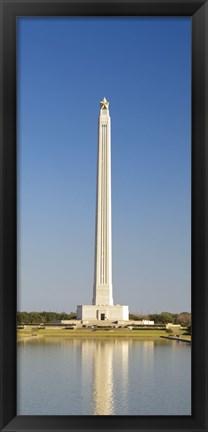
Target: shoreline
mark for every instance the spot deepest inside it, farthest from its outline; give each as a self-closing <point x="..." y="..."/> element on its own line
<point x="140" y="334"/>
<point x="178" y="339"/>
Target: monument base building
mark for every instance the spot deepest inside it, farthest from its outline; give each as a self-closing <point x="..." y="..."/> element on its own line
<point x="107" y="313"/>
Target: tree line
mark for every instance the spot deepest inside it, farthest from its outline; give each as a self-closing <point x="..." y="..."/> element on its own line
<point x="43" y="317"/>
<point x="183" y="318"/>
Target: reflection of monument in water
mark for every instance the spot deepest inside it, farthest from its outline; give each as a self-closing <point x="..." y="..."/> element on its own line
<point x="103" y="379"/>
<point x="107" y="365"/>
<point x="102" y="307"/>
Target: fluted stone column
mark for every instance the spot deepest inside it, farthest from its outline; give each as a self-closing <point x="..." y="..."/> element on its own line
<point x="102" y="307"/>
<point x="102" y="290"/>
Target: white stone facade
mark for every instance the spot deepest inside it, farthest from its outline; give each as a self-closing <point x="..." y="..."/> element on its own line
<point x="106" y="313"/>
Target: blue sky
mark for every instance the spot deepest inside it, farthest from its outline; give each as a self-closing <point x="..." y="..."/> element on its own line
<point x="143" y="67"/>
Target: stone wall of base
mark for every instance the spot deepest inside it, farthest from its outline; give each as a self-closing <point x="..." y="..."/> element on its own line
<point x="104" y="313"/>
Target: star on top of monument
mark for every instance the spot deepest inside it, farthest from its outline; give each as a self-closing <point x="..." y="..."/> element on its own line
<point x="104" y="103"/>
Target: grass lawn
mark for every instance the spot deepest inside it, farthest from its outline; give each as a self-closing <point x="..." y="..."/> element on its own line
<point x="107" y="333"/>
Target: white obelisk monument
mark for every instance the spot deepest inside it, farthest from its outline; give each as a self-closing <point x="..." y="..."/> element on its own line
<point x="102" y="307"/>
<point x="102" y="292"/>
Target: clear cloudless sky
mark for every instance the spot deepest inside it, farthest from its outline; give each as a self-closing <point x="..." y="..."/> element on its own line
<point x="143" y="67"/>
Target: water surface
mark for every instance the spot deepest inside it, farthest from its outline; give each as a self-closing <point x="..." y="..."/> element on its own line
<point x="66" y="376"/>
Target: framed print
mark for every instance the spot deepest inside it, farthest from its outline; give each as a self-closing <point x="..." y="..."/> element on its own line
<point x="47" y="206"/>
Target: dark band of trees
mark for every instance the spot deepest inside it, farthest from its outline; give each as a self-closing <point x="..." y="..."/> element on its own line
<point x="183" y="318"/>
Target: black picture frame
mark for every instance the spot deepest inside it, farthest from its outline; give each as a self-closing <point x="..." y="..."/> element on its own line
<point x="198" y="11"/>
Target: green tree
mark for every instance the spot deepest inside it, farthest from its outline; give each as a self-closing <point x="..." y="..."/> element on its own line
<point x="135" y="317"/>
<point x="166" y="317"/>
<point x="23" y="318"/>
<point x="189" y="330"/>
<point x="184" y="319"/>
<point x="35" y="317"/>
<point x="156" y="318"/>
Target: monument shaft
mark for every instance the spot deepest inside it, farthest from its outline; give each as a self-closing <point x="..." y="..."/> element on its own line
<point x="102" y="290"/>
<point x="102" y="307"/>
